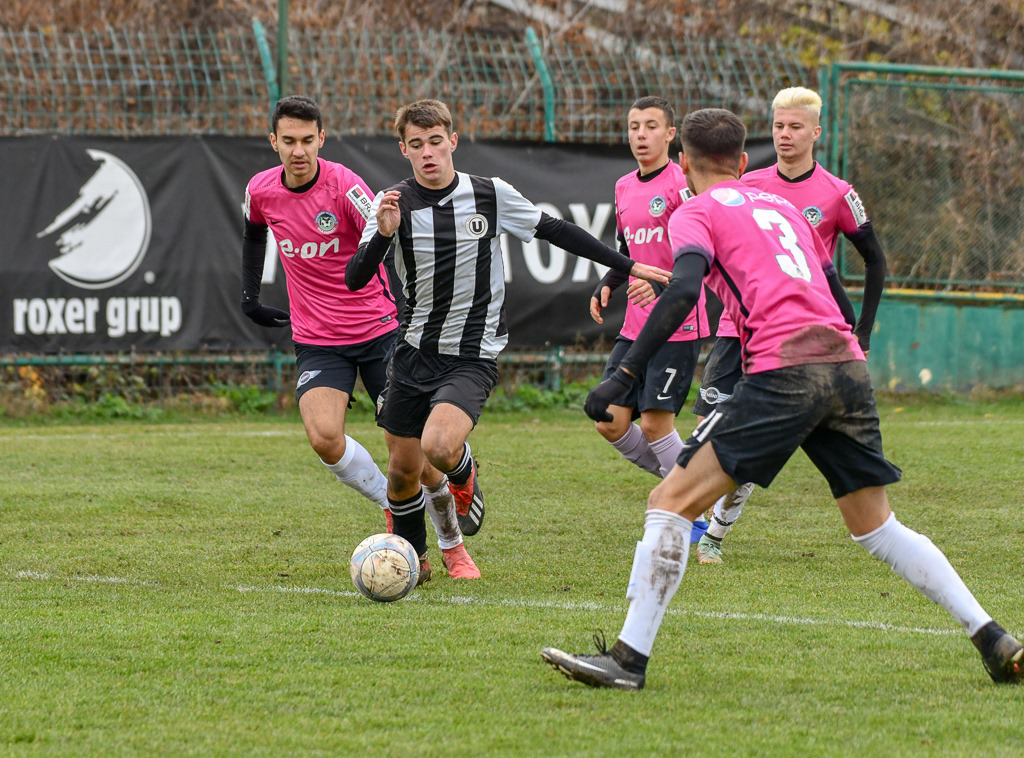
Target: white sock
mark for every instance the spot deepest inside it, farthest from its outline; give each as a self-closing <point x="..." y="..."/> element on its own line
<point x="667" y="451"/>
<point x="914" y="557"/>
<point x="634" y="448"/>
<point x="658" y="566"/>
<point x="727" y="509"/>
<point x="441" y="509"/>
<point x="357" y="470"/>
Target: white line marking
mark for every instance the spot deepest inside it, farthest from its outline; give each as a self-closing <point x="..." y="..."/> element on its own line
<point x="514" y="603"/>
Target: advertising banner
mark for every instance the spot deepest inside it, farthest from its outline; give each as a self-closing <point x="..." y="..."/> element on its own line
<point x="113" y="245"/>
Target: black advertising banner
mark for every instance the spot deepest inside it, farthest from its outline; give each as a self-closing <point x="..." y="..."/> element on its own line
<point x="112" y="245"/>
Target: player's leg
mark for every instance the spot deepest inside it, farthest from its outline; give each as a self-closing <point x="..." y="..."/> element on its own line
<point x="658" y="566"/>
<point x="748" y="440"/>
<point x="441" y="510"/>
<point x="402" y="412"/>
<point x="325" y="383"/>
<point x="661" y="394"/>
<point x="457" y="403"/>
<point x="847" y="449"/>
<point x="625" y="436"/>
<point x="722" y="371"/>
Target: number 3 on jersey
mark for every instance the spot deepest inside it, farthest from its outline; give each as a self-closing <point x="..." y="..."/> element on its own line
<point x="795" y="266"/>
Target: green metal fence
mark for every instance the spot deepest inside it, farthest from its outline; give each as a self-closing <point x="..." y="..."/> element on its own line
<point x="935" y="155"/>
<point x="191" y="81"/>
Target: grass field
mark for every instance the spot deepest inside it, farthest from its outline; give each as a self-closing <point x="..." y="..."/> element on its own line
<point x="183" y="588"/>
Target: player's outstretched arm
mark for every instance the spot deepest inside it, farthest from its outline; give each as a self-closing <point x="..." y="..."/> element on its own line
<point x="254" y="245"/>
<point x="666" y="317"/>
<point x="575" y="240"/>
<point x="867" y="244"/>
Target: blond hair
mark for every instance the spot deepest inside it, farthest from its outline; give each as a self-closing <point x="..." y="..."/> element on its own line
<point x="798" y="97"/>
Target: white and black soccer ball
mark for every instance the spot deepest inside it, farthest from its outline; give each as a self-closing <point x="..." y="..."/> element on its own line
<point x="384" y="567"/>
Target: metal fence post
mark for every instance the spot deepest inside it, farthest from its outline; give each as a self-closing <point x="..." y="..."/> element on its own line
<point x="268" y="64"/>
<point x="282" y="45"/>
<point x="533" y="44"/>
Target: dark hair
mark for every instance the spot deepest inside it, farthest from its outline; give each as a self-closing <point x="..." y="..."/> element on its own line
<point x="299" y="107"/>
<point x="713" y="135"/>
<point x="424" y="114"/>
<point x="653" y="101"/>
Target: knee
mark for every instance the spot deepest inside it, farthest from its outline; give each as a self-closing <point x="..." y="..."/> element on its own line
<point x="403" y="478"/>
<point x="441" y="453"/>
<point x="613" y="431"/>
<point x="653" y="431"/>
<point x="330" y="448"/>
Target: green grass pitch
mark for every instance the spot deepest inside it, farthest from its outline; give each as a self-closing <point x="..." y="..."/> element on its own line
<point x="182" y="588"/>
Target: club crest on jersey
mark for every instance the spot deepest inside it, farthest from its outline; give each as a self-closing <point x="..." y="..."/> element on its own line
<point x="657" y="206"/>
<point x="326" y="222"/>
<point x="728" y="196"/>
<point x="813" y="214"/>
<point x="476" y="226"/>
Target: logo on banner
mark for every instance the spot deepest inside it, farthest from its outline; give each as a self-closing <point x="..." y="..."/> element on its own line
<point x="103" y="235"/>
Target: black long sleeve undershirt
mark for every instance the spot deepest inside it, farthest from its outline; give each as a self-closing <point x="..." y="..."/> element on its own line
<point x="671" y="310"/>
<point x="575" y="240"/>
<point x="867" y="244"/>
<point x="615" y="279"/>
<point x="841" y="298"/>
<point x="366" y="262"/>
<point x="254" y="249"/>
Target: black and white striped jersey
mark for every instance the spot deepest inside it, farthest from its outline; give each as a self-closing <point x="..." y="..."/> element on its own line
<point x="448" y="258"/>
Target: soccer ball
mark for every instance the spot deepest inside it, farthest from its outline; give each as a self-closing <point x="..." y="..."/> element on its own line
<point x="384" y="567"/>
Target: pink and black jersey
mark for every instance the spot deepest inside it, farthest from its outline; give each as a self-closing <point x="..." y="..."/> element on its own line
<point x="317" y="231"/>
<point x="643" y="206"/>
<point x="767" y="266"/>
<point x="826" y="201"/>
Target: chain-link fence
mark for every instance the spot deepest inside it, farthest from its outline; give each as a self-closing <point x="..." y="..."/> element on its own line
<point x="192" y="81"/>
<point x="935" y="156"/>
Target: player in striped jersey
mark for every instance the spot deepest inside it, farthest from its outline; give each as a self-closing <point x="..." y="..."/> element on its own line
<point x="831" y="206"/>
<point x="318" y="209"/>
<point x="446" y="227"/>
<point x="645" y="199"/>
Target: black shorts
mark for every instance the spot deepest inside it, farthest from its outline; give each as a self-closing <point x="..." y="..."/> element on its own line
<point x="418" y="381"/>
<point x="721" y="372"/>
<point x="828" y="409"/>
<point x="665" y="382"/>
<point x="336" y="366"/>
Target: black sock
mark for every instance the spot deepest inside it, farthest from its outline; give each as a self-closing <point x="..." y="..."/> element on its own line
<point x="628" y="658"/>
<point x="408" y="521"/>
<point x="460" y="474"/>
<point x="987" y="636"/>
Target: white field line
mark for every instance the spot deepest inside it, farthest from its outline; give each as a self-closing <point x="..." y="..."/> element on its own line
<point x="513" y="603"/>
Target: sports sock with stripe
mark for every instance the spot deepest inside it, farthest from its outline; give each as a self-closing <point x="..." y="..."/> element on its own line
<point x="357" y="470"/>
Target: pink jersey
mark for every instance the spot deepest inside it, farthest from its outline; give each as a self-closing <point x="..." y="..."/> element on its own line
<point x="827" y="202"/>
<point x="317" y="233"/>
<point x="643" y="207"/>
<point x="766" y="265"/>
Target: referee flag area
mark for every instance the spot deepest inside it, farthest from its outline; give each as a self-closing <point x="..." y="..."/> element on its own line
<point x="198" y="592"/>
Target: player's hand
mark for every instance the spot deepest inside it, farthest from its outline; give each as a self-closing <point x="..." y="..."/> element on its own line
<point x="596" y="305"/>
<point x="388" y="215"/>
<point x="640" y="292"/>
<point x="651" y="273"/>
<point x="615" y="390"/>
<point x="265" y="315"/>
